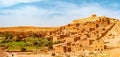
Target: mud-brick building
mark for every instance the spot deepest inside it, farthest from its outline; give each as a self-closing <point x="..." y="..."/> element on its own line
<point x="71" y="39"/>
<point x="97" y="45"/>
<point x="89" y="45"/>
<point x="61" y="48"/>
<point x="92" y="45"/>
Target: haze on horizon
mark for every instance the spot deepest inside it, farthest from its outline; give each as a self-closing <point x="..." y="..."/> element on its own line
<point x="53" y="12"/>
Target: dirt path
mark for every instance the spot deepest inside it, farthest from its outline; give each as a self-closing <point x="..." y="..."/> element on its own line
<point x="26" y="55"/>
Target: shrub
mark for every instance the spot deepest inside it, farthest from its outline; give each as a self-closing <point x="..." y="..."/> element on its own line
<point x="23" y="49"/>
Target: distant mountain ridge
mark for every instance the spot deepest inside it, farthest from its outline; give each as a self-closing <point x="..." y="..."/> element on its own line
<point x="26" y="28"/>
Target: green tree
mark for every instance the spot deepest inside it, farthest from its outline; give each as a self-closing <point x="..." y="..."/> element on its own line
<point x="8" y="37"/>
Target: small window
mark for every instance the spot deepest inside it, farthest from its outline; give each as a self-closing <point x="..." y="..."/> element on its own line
<point x="98" y="50"/>
<point x="97" y="35"/>
<point x="97" y="25"/>
<point x="108" y="22"/>
<point x="95" y="49"/>
<point x="77" y="25"/>
<point x="101" y="49"/>
<point x="81" y="46"/>
<point x="110" y="34"/>
<point x="103" y="29"/>
<point x="83" y="49"/>
<point x="97" y="31"/>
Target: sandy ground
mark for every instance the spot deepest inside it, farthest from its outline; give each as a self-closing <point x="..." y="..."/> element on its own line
<point x="26" y="54"/>
<point x="31" y="55"/>
<point x="36" y="55"/>
<point x="113" y="53"/>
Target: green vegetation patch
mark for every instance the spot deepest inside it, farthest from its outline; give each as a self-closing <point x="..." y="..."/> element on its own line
<point x="29" y="44"/>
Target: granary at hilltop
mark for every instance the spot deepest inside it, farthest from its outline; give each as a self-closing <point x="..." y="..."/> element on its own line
<point x="92" y="34"/>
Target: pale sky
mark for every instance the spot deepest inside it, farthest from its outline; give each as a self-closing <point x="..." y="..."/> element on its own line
<point x="53" y="12"/>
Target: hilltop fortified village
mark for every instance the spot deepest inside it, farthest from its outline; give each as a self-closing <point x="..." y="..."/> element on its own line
<point x="94" y="34"/>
